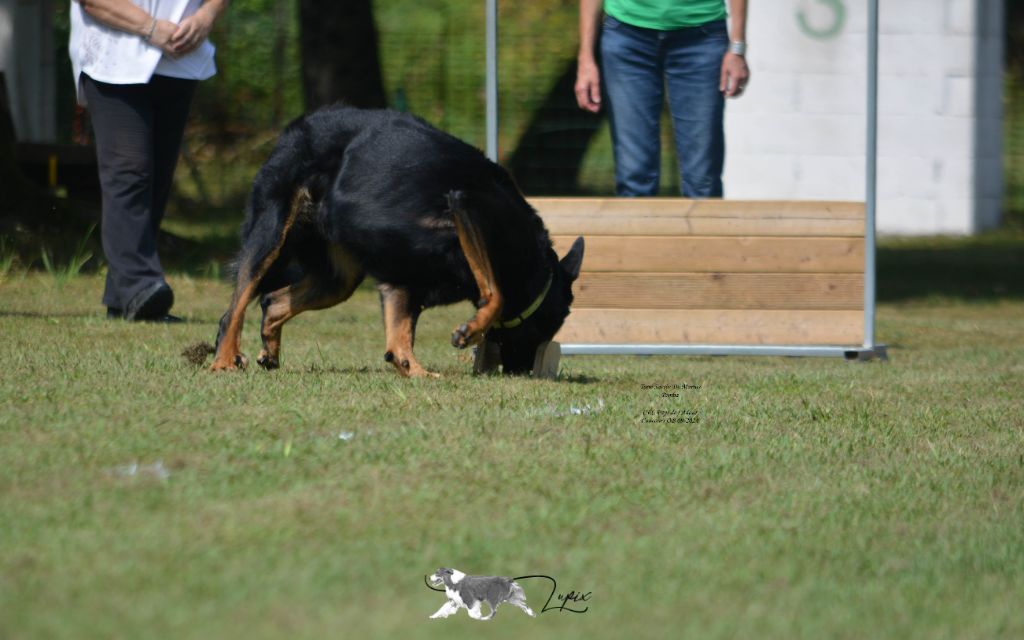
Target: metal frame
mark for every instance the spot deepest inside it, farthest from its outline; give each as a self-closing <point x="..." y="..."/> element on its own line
<point x="870" y="187"/>
<point x="492" y="80"/>
<point x="868" y="350"/>
<point x="848" y="353"/>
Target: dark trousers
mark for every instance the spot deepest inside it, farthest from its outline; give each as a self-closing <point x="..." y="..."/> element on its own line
<point x="138" y="129"/>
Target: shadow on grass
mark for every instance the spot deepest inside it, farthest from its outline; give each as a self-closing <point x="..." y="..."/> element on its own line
<point x="39" y="315"/>
<point x="987" y="267"/>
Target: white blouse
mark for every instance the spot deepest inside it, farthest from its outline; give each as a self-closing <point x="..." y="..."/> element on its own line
<point x="118" y="57"/>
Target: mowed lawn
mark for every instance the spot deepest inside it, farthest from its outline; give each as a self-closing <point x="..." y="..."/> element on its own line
<point x="141" y="497"/>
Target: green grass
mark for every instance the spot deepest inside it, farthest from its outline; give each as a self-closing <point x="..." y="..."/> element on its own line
<point x="814" y="498"/>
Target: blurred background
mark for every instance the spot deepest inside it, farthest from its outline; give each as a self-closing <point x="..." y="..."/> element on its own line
<point x="951" y="108"/>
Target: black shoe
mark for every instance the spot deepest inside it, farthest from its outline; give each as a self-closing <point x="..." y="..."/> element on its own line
<point x="152" y="303"/>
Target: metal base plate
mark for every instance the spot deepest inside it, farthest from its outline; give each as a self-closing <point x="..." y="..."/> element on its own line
<point x="858" y="354"/>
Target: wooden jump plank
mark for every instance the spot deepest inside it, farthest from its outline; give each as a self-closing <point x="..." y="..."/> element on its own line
<point x="681" y="207"/>
<point x="713" y="253"/>
<point x="719" y="291"/>
<point x="712" y="326"/>
<point x="677" y="271"/>
<point x="641" y="224"/>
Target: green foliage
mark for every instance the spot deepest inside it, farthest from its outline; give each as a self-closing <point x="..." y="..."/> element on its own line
<point x="8" y="257"/>
<point x="258" y="85"/>
<point x="62" y="274"/>
<point x="1013" y="151"/>
<point x="432" y="57"/>
<point x="1015" y="39"/>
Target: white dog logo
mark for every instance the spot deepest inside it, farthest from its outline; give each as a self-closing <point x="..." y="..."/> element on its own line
<point x="470" y="592"/>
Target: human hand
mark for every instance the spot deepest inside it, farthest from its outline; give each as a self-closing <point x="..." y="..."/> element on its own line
<point x="588" y="86"/>
<point x="161" y="37"/>
<point x="735" y="75"/>
<point x="191" y="32"/>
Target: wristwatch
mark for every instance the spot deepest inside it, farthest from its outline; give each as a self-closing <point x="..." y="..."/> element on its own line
<point x="739" y="47"/>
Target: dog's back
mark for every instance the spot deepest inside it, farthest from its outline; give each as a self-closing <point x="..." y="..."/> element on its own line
<point x="379" y="182"/>
<point x="490" y="589"/>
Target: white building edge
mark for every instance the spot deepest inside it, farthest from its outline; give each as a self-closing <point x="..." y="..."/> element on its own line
<point x="799" y="133"/>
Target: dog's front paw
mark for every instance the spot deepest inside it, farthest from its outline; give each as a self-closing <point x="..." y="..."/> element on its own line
<point x="424" y="373"/>
<point x="268" y="361"/>
<point x="460" y="337"/>
<point x="230" y="364"/>
<point x="463" y="337"/>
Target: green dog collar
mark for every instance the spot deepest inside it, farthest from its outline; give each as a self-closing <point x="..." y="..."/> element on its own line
<point x="518" y="320"/>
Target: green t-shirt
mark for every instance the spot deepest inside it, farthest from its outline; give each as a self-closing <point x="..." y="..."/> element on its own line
<point x="665" y="14"/>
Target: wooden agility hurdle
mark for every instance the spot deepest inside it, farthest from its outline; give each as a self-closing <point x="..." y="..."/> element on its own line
<point x="677" y="276"/>
<point x="794" y="264"/>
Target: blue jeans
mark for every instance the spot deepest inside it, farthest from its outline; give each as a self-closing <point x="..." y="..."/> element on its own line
<point x="637" y="64"/>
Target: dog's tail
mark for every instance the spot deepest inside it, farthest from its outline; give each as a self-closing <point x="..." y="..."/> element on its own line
<point x="290" y="168"/>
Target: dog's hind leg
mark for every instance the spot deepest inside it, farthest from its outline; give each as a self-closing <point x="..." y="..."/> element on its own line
<point x="258" y="256"/>
<point x="474" y="611"/>
<point x="493" y="608"/>
<point x="518" y="598"/>
<point x="521" y="603"/>
<point x="312" y="292"/>
<point x="400" y="316"/>
<point x="475" y="249"/>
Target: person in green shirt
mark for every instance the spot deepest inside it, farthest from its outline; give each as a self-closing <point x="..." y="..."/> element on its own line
<point x="646" y="47"/>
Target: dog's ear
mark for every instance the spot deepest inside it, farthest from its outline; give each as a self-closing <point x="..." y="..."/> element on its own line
<point x="573" y="260"/>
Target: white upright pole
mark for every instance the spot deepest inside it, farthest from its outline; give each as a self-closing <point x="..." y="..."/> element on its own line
<point x="871" y="194"/>
<point x="492" y="79"/>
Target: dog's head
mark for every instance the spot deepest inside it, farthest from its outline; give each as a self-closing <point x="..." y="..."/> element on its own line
<point x="519" y="344"/>
<point x="446" y="577"/>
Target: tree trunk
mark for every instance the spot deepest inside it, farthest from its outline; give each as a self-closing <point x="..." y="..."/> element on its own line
<point x="1014" y="42"/>
<point x="339" y="53"/>
<point x="13" y="183"/>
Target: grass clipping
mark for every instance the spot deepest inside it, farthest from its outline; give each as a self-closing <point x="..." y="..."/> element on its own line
<point x="195" y="354"/>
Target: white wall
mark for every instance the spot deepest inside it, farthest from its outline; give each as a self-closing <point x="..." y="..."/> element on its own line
<point x="799" y="132"/>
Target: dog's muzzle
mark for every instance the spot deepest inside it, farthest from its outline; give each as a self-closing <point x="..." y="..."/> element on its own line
<point x="433" y="582"/>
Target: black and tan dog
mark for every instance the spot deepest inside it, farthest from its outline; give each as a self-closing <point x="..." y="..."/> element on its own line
<point x="348" y="193"/>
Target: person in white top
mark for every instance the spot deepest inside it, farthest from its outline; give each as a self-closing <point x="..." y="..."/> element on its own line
<point x="136" y="64"/>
